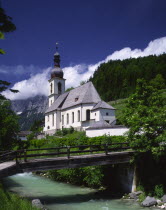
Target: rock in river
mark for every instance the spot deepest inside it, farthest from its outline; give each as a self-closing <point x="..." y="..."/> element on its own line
<point x="149" y="201"/>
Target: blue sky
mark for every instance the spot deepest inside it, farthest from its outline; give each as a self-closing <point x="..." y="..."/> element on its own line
<point x="88" y="31"/>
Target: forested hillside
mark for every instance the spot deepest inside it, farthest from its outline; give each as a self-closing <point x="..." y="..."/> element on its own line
<point x="117" y="79"/>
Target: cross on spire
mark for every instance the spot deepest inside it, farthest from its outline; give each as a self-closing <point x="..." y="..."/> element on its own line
<point x="57" y="46"/>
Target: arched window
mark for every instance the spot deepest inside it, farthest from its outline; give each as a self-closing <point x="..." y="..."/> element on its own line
<point x="59" y="88"/>
<point x="72" y="117"/>
<point x="52" y="119"/>
<point x="78" y="115"/>
<point x="48" y="127"/>
<point x="62" y="119"/>
<point x="67" y="118"/>
<point x="51" y="88"/>
<point x="88" y="114"/>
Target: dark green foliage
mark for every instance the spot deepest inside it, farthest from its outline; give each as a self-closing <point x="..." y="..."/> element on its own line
<point x="8" y="126"/>
<point x="117" y="79"/>
<point x="13" y="202"/>
<point x="151" y="173"/>
<point x="64" y="131"/>
<point x="6" y="25"/>
<point x="6" y="22"/>
<point x="119" y="105"/>
<point x="8" y="120"/>
<point x="74" y="139"/>
<point x="68" y="89"/>
<point x="145" y="115"/>
<point x="87" y="176"/>
<point x="159" y="190"/>
<point x="36" y="126"/>
<point x="4" y="86"/>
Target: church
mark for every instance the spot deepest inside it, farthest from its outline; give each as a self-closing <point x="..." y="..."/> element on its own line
<point x="80" y="108"/>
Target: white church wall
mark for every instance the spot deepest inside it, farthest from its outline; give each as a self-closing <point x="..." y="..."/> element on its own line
<point x="58" y="119"/>
<point x="85" y="107"/>
<point x="95" y="115"/>
<point x="50" y="122"/>
<point x="82" y="122"/>
<point x="106" y="131"/>
<point x="70" y="122"/>
<point x="107" y="114"/>
<point x="53" y="85"/>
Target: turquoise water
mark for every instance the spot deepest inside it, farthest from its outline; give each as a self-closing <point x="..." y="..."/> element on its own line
<point x="61" y="196"/>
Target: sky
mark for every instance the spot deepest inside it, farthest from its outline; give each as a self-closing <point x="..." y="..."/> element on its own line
<point x="89" y="32"/>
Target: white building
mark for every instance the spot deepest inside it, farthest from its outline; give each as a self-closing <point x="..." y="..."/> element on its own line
<point x="80" y="108"/>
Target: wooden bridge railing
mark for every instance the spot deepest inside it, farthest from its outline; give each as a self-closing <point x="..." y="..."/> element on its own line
<point x="67" y="151"/>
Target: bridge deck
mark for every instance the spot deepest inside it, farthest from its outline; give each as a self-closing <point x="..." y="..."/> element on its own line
<point x="7" y="165"/>
<point x="39" y="164"/>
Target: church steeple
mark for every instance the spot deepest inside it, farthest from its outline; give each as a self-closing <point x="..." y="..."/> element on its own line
<point x="57" y="57"/>
<point x="56" y="71"/>
<point x="56" y="82"/>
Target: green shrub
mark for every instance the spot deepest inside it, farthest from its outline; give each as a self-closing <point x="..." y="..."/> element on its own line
<point x="88" y="176"/>
<point x="13" y="202"/>
<point x="159" y="190"/>
<point x="142" y="197"/>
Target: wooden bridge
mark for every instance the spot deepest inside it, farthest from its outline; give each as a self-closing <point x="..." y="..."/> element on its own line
<point x="20" y="161"/>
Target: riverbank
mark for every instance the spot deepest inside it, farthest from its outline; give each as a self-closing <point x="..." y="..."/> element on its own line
<point x="62" y="196"/>
<point x="11" y="201"/>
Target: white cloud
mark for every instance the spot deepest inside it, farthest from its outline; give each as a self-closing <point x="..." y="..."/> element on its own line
<point x="38" y="84"/>
<point x="35" y="85"/>
<point x="18" y="70"/>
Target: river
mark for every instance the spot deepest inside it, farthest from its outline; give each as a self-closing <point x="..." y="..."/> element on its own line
<point x="61" y="196"/>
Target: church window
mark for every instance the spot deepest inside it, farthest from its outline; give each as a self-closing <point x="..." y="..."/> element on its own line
<point x="76" y="99"/>
<point x="48" y="118"/>
<point x="72" y="117"/>
<point x="107" y="113"/>
<point x="88" y="114"/>
<point x="48" y="127"/>
<point x="51" y="88"/>
<point x="59" y="88"/>
<point x="78" y="115"/>
<point x="53" y="120"/>
<point x="62" y="119"/>
<point x="67" y="118"/>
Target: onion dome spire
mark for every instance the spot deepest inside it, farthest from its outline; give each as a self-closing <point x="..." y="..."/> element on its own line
<point x="57" y="57"/>
<point x="56" y="71"/>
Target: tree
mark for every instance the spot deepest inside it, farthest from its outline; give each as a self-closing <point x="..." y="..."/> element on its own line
<point x="8" y="126"/>
<point x="145" y="115"/>
<point x="82" y="82"/>
<point x="6" y="25"/>
<point x="68" y="89"/>
<point x="8" y="119"/>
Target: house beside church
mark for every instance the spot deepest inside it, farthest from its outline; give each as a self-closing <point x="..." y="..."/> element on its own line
<point x="82" y="108"/>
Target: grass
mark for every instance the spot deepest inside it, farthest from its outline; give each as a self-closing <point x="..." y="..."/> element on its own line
<point x="10" y="201"/>
<point x="120" y="105"/>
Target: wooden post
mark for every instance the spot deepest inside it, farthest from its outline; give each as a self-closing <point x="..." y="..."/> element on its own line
<point x="25" y="158"/>
<point x="91" y="149"/>
<point x="68" y="152"/>
<point x="16" y="158"/>
<point x="106" y="149"/>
